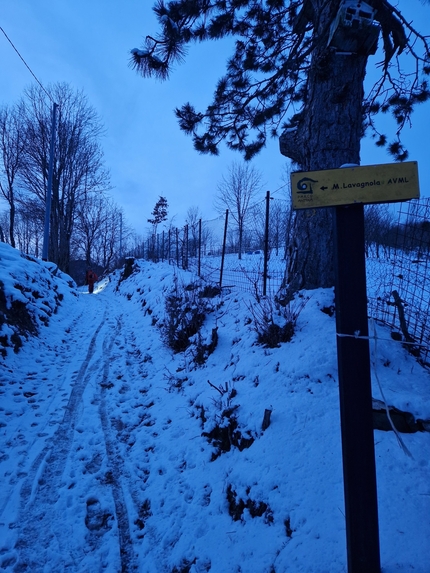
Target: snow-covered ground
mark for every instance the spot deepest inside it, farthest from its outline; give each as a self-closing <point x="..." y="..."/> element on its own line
<point x="106" y="457"/>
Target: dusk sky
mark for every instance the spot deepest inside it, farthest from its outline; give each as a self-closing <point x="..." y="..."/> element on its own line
<point x="87" y="44"/>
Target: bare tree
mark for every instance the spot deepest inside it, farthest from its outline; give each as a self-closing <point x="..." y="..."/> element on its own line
<point x="378" y="222"/>
<point x="12" y="146"/>
<point x="78" y="166"/>
<point x="4" y="225"/>
<point x="29" y="227"/>
<point x="279" y="214"/>
<point x="113" y="232"/>
<point x="207" y="237"/>
<point x="236" y="192"/>
<point x="193" y="218"/>
<point x="90" y="223"/>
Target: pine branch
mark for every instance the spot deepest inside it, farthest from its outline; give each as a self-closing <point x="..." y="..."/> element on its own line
<point x="267" y="75"/>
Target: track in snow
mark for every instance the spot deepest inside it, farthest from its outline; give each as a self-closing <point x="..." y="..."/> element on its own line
<point x="51" y="486"/>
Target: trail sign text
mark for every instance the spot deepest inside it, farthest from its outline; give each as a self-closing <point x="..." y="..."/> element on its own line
<point x="368" y="184"/>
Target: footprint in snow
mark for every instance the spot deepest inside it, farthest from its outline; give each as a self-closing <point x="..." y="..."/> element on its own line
<point x="94" y="464"/>
<point x="97" y="520"/>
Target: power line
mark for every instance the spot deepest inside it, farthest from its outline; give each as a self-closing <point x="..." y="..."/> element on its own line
<point x="279" y="188"/>
<point x="26" y="65"/>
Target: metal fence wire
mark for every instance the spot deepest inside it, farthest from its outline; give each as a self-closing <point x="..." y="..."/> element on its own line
<point x="400" y="295"/>
<point x="216" y="250"/>
<point x="397" y="262"/>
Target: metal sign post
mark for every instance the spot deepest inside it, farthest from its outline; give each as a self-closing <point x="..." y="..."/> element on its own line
<point x="347" y="190"/>
<point x="355" y="392"/>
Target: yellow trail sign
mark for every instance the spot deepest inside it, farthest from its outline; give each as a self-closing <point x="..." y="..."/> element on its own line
<point x="368" y="184"/>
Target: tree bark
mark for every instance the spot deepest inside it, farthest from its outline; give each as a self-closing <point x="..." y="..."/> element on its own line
<point x="12" y="214"/>
<point x="327" y="136"/>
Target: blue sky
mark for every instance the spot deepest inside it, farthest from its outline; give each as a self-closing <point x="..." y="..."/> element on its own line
<point x="87" y="44"/>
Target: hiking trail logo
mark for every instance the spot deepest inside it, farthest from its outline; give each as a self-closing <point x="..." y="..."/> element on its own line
<point x="304" y="186"/>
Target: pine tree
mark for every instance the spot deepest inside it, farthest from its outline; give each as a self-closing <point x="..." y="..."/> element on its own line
<point x="297" y="73"/>
<point x="159" y="213"/>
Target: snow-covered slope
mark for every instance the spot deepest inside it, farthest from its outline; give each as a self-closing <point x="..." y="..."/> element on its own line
<point x="31" y="291"/>
<point x="118" y="454"/>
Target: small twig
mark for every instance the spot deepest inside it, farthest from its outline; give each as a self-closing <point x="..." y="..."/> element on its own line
<point x="220" y="390"/>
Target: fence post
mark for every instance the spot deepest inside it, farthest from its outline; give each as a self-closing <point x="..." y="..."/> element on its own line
<point x="177" y="247"/>
<point x="266" y="244"/>
<point x="158" y="248"/>
<point x="200" y="249"/>
<point x="185" y="249"/>
<point x="223" y="248"/>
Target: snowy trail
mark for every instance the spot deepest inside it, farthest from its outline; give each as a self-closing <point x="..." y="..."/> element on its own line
<point x="51" y="485"/>
<point x="106" y="464"/>
<point x="116" y="463"/>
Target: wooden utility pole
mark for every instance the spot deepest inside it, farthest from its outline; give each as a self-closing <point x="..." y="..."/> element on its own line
<point x="223" y="249"/>
<point x="266" y="243"/>
<point x="45" y="248"/>
<point x="200" y="249"/>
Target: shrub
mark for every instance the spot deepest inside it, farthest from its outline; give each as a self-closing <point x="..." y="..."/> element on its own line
<point x="237" y="505"/>
<point x="17" y="316"/>
<point x="273" y="322"/>
<point x="210" y="291"/>
<point x="205" y="349"/>
<point x="185" y="313"/>
<point x="225" y="433"/>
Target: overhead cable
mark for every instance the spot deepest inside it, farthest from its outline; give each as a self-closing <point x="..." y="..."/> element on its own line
<point x="26" y="65"/>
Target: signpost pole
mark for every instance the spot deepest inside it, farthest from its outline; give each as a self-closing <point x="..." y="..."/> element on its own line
<point x="347" y="190"/>
<point x="361" y="506"/>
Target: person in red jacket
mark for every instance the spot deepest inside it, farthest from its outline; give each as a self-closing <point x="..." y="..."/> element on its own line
<point x="90" y="279"/>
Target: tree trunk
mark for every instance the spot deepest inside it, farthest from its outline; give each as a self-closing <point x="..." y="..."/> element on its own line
<point x="54" y="231"/>
<point x="327" y="136"/>
<point x="12" y="213"/>
<point x="240" y="240"/>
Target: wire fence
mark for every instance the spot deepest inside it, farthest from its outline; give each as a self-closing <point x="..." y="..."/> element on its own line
<point x="222" y="251"/>
<point x="255" y="260"/>
<point x="400" y="289"/>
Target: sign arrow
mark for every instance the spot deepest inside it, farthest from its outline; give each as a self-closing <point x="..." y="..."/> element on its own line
<point x="323" y="188"/>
